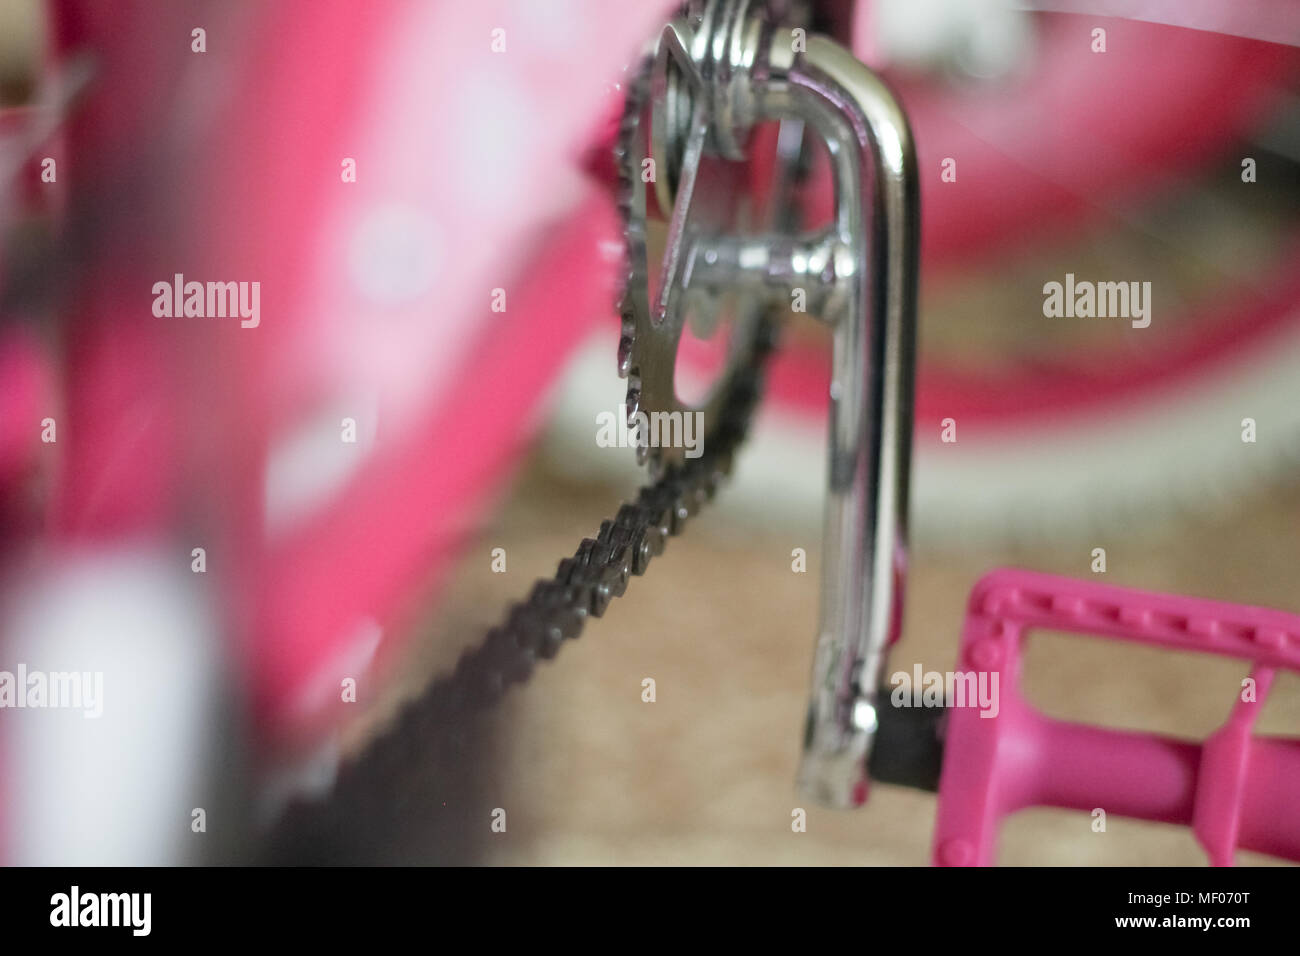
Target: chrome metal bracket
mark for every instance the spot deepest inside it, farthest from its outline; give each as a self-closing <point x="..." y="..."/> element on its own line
<point x="723" y="67"/>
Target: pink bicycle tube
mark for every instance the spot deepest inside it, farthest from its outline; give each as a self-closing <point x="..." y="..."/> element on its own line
<point x="1234" y="789"/>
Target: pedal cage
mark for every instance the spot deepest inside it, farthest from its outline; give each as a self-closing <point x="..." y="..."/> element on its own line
<point x="1234" y="789"/>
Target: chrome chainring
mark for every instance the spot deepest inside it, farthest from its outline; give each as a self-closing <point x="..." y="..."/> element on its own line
<point x="684" y="176"/>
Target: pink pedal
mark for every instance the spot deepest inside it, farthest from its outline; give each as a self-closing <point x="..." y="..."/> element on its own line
<point x="1234" y="789"/>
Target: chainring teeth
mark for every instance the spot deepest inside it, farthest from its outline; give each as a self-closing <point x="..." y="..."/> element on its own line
<point x="648" y="347"/>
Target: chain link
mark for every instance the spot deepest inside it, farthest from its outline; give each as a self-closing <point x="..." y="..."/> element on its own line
<point x="430" y="738"/>
<point x="424" y="754"/>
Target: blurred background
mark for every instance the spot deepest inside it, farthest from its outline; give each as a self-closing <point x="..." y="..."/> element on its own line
<point x="372" y="559"/>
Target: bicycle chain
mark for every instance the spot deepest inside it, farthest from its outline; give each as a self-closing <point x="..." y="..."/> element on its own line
<point x="432" y="731"/>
